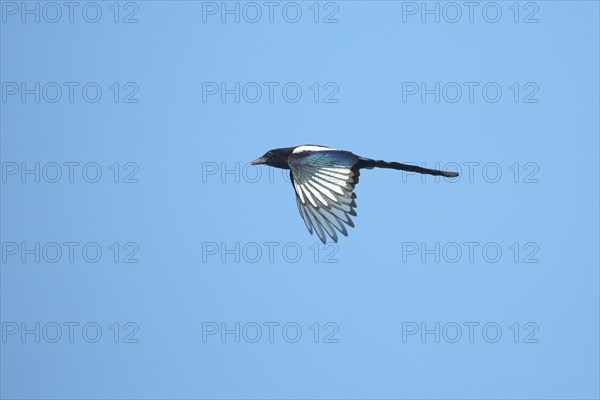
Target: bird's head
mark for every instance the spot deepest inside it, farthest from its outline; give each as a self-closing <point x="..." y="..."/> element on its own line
<point x="275" y="158"/>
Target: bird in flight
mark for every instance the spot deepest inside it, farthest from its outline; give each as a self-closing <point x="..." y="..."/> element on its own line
<point x="324" y="181"/>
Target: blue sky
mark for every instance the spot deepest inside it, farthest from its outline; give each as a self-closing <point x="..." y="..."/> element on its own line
<point x="142" y="257"/>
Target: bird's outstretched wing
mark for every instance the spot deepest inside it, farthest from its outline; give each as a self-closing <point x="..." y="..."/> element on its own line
<point x="324" y="182"/>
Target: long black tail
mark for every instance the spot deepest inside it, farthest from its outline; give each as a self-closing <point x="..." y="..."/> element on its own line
<point x="368" y="163"/>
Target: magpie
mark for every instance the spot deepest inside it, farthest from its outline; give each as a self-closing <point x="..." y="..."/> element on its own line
<point x="324" y="179"/>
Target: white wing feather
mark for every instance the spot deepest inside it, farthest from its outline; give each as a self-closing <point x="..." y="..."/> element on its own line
<point x="324" y="182"/>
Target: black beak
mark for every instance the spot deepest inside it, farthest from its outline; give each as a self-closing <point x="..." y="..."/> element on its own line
<point x="260" y="160"/>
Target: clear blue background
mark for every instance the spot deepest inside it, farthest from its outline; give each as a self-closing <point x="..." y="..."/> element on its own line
<point x="370" y="291"/>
